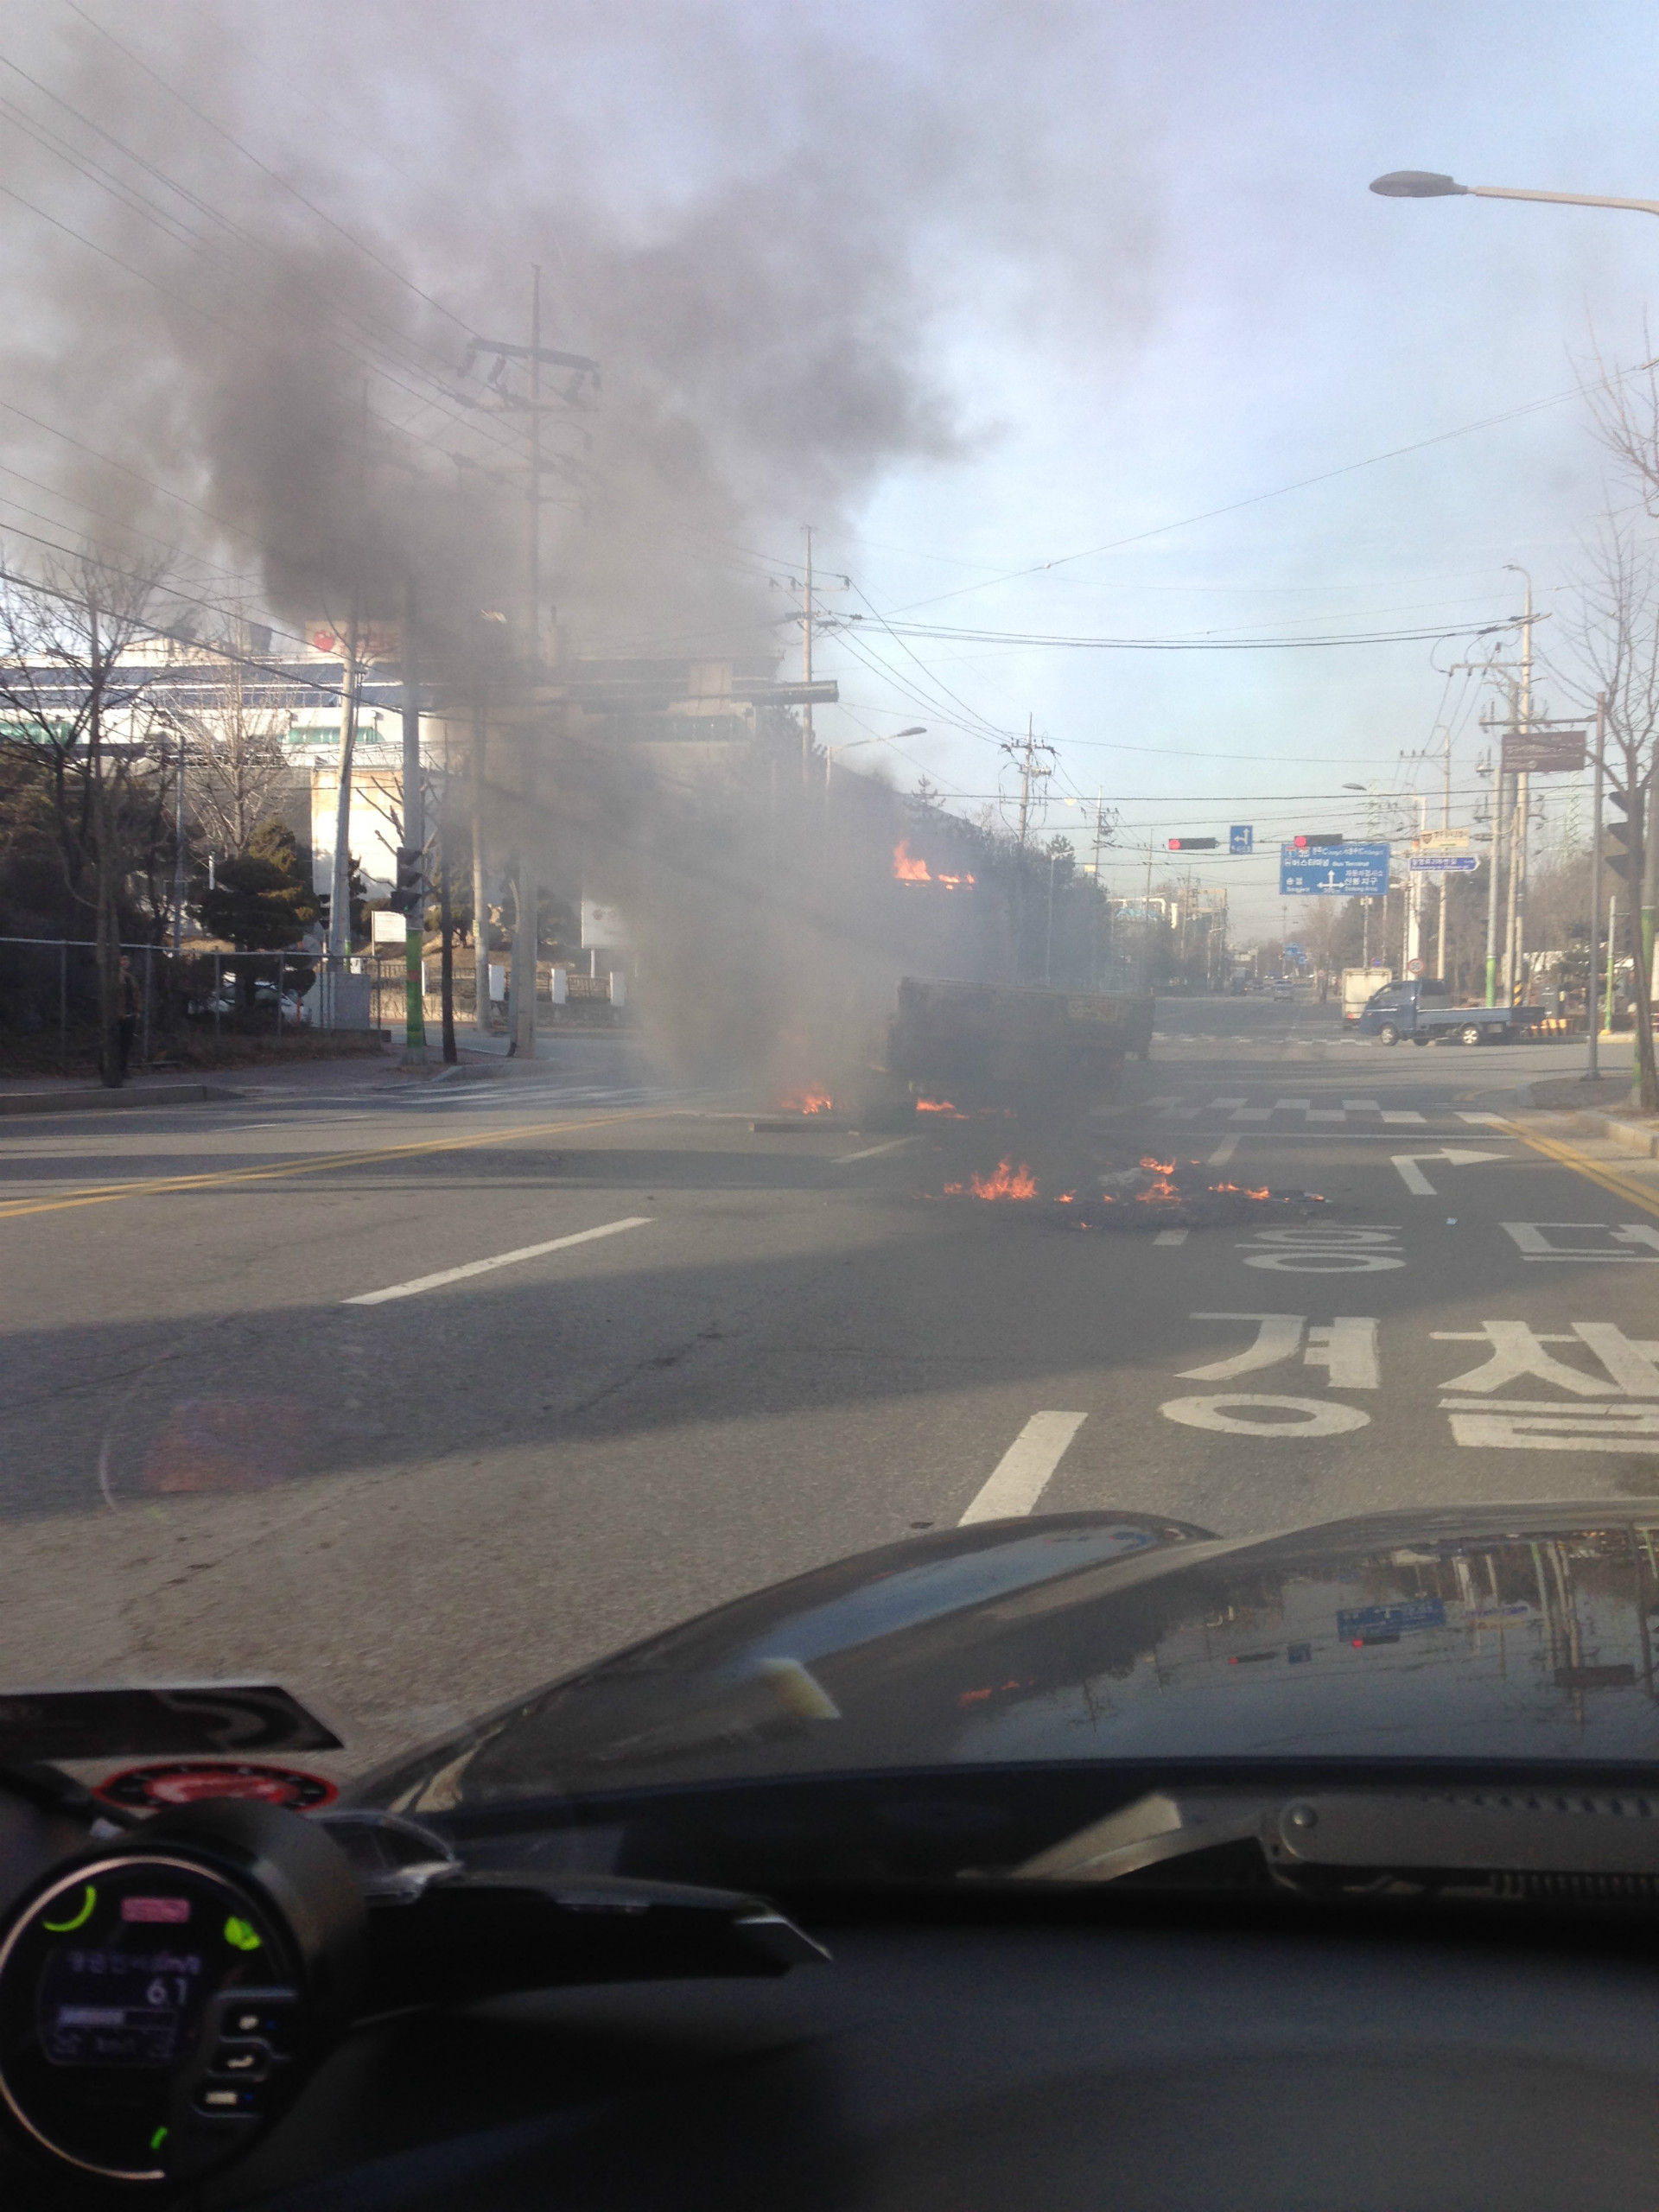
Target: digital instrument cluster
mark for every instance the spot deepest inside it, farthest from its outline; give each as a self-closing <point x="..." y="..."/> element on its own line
<point x="163" y="1998"/>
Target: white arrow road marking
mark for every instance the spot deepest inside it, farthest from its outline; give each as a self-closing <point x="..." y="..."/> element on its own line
<point x="1414" y="1178"/>
<point x="1022" y="1474"/>
<point x="500" y="1260"/>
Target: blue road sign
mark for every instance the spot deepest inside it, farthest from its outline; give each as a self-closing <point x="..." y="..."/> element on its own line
<point x="1294" y="952"/>
<point x="1358" y="1624"/>
<point x="1334" y="872"/>
<point x="1440" y="863"/>
<point x="1241" y="838"/>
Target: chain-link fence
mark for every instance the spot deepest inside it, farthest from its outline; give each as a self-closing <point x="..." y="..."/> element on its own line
<point x="48" y="986"/>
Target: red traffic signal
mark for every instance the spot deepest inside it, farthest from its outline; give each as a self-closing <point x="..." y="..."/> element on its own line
<point x="1316" y="838"/>
<point x="1194" y="844"/>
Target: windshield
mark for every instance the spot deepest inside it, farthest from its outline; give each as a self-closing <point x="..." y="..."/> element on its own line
<point x="824" y="859"/>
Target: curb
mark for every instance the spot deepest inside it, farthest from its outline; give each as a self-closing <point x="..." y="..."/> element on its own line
<point x="98" y="1101"/>
<point x="1630" y="1136"/>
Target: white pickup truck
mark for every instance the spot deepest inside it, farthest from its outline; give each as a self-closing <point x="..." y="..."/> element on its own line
<point x="1359" y="987"/>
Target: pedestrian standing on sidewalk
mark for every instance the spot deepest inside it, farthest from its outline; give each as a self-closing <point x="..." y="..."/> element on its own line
<point x="129" y="1004"/>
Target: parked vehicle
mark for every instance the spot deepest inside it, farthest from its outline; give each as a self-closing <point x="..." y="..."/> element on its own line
<point x="227" y="999"/>
<point x="1421" y="1007"/>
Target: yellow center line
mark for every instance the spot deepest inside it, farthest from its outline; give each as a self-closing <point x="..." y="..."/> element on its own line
<point x="1592" y="1170"/>
<point x="98" y="1194"/>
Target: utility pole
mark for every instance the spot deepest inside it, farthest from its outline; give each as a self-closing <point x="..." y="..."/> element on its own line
<point x="340" y="898"/>
<point x="1029" y="771"/>
<point x="806" y="659"/>
<point x="526" y="888"/>
<point x="1517" y="916"/>
<point x="1591" y="1011"/>
<point x="481" y="1009"/>
<point x="412" y="858"/>
<point x="178" y="855"/>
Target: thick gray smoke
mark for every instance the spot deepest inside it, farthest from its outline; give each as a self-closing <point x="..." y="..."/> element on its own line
<point x="253" y="248"/>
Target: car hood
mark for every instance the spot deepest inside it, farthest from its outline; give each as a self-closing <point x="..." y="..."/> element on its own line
<point x="1508" y="1633"/>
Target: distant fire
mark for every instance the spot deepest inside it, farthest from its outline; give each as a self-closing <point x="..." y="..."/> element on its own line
<point x="908" y="869"/>
<point x="1244" y="1190"/>
<point x="808" y="1101"/>
<point x="939" y="1106"/>
<point x="1008" y="1182"/>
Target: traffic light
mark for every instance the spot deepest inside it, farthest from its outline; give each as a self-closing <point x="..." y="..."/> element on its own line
<point x="1194" y="844"/>
<point x="1625" y="837"/>
<point x="325" y="907"/>
<point x="409" y="895"/>
<point x="1317" y="838"/>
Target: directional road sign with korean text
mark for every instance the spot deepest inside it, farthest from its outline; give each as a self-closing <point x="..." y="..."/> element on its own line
<point x="1334" y="871"/>
<point x="1241" y="838"/>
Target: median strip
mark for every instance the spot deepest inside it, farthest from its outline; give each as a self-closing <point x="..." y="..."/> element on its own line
<point x="499" y="1260"/>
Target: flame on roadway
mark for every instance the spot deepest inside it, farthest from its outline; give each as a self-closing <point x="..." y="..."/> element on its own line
<point x="1008" y="1182"/>
<point x="808" y="1101"/>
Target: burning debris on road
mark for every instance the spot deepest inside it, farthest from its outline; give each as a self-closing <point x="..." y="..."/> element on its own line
<point x="1156" y="1194"/>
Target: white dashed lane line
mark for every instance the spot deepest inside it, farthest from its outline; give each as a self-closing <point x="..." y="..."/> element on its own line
<point x="500" y="1260"/>
<point x="1022" y="1474"/>
<point x="873" y="1150"/>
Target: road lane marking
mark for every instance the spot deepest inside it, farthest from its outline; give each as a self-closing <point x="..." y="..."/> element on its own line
<point x="1530" y="1240"/>
<point x="1592" y="1170"/>
<point x="872" y="1151"/>
<point x="1312" y="1416"/>
<point x="1251" y="1113"/>
<point x="1023" y="1473"/>
<point x="500" y="1260"/>
<point x="1414" y="1178"/>
<point x="1223" y="1153"/>
<point x="1362" y="1105"/>
<point x="1403" y="1116"/>
<point x="98" y="1194"/>
<point x="1170" y="1236"/>
<point x="1485" y="1121"/>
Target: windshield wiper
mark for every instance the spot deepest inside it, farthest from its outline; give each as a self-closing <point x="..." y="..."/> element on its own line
<point x="1611" y="1837"/>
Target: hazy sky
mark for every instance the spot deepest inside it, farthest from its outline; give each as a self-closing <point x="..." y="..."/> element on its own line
<point x="974" y="288"/>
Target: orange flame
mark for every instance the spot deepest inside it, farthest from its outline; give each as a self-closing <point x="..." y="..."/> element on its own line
<point x="1244" y="1189"/>
<point x="808" y="1101"/>
<point x="939" y="1106"/>
<point x="1008" y="1182"/>
<point x="908" y="869"/>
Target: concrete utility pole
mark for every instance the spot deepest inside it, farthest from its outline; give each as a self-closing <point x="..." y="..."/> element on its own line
<point x="806" y="658"/>
<point x="1592" y="980"/>
<point x="481" y="1011"/>
<point x="526" y="885"/>
<point x="412" y="870"/>
<point x="340" y="899"/>
<point x="1515" y="933"/>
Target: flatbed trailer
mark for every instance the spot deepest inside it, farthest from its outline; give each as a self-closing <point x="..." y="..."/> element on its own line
<point x="1416" y="1010"/>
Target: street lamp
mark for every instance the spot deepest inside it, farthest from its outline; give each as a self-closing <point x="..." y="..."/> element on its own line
<point x="1424" y="184"/>
<point x="917" y="729"/>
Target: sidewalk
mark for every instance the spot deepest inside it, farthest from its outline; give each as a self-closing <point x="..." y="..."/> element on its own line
<point x="1602" y="1113"/>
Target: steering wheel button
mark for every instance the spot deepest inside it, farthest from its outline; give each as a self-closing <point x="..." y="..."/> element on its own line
<point x="238" y="2100"/>
<point x="250" y="2059"/>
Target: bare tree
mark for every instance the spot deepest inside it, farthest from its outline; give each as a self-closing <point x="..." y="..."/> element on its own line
<point x="235" y="761"/>
<point x="1613" y="639"/>
<point x="71" y="698"/>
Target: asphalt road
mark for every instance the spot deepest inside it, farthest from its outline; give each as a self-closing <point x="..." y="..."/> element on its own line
<point x="226" y="1454"/>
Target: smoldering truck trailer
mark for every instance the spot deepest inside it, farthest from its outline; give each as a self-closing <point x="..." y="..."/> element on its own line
<point x="1014" y="1045"/>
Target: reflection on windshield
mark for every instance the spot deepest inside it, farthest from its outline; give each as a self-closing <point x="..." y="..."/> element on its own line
<point x="1522" y="1646"/>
